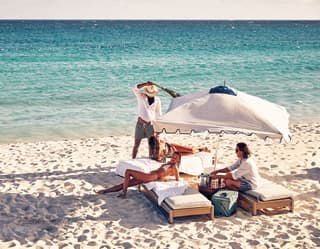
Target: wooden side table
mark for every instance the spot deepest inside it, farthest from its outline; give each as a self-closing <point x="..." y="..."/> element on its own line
<point x="207" y="191"/>
<point x="192" y="180"/>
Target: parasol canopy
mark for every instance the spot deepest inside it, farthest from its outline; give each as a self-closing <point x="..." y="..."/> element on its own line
<point x="225" y="110"/>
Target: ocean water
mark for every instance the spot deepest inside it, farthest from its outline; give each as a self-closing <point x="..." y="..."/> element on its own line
<point x="72" y="79"/>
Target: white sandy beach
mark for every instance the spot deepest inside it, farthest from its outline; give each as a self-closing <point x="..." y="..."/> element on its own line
<point x="47" y="198"/>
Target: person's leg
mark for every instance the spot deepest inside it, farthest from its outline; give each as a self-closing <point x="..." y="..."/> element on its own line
<point x="244" y="185"/>
<point x="138" y="136"/>
<point x="189" y="150"/>
<point x="135" y="147"/>
<point x="232" y="184"/>
<point x="138" y="178"/>
<point x="153" y="148"/>
<point x="183" y="149"/>
<point x="115" y="188"/>
<point x="149" y="133"/>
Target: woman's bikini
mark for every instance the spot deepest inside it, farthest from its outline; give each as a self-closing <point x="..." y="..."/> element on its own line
<point x="162" y="170"/>
<point x="166" y="166"/>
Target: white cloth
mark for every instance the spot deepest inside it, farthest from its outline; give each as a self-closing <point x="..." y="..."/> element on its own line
<point x="145" y="111"/>
<point x="140" y="164"/>
<point x="167" y="189"/>
<point x="247" y="169"/>
<point x="195" y="164"/>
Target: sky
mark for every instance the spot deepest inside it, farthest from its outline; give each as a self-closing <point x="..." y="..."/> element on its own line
<point x="161" y="9"/>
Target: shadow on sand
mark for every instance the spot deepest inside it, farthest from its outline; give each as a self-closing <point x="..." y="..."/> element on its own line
<point x="31" y="217"/>
<point x="311" y="174"/>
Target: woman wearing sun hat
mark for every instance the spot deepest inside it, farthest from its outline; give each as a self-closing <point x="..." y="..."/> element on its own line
<point x="149" y="108"/>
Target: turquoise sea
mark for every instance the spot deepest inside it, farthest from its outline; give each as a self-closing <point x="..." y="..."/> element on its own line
<point x="72" y="79"/>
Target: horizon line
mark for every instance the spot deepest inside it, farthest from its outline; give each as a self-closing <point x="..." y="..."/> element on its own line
<point x="176" y="19"/>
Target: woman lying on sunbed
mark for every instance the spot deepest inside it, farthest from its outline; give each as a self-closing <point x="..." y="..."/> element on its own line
<point x="134" y="177"/>
<point x="160" y="150"/>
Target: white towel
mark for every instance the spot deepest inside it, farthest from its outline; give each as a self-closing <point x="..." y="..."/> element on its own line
<point x="195" y="164"/>
<point x="167" y="189"/>
<point x="140" y="164"/>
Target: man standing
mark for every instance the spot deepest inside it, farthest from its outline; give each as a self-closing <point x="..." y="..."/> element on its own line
<point x="149" y="108"/>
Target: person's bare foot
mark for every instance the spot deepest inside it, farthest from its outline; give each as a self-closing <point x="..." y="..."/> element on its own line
<point x="122" y="195"/>
<point x="100" y="192"/>
<point x="204" y="149"/>
<point x="195" y="150"/>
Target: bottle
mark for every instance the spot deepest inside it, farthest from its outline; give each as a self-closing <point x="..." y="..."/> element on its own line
<point x="201" y="179"/>
<point x="209" y="181"/>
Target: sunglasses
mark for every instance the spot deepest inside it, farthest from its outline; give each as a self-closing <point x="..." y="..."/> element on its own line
<point x="237" y="150"/>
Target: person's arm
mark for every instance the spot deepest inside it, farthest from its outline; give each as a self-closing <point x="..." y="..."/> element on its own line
<point x="224" y="170"/>
<point x="136" y="88"/>
<point x="176" y="172"/>
<point x="149" y="83"/>
<point x="245" y="168"/>
<point x="228" y="170"/>
<point x="227" y="175"/>
<point x="234" y="166"/>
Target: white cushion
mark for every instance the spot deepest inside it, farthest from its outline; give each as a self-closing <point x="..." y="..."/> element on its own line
<point x="166" y="189"/>
<point x="190" y="199"/>
<point x="270" y="191"/>
<point x="140" y="164"/>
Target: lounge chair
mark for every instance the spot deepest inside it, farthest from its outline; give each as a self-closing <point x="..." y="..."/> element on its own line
<point x="191" y="202"/>
<point x="269" y="198"/>
<point x="193" y="164"/>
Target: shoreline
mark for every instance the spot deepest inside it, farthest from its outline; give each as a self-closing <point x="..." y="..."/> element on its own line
<point x="99" y="135"/>
<point x="47" y="197"/>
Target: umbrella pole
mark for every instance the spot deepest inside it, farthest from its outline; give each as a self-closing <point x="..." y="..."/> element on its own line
<point x="216" y="154"/>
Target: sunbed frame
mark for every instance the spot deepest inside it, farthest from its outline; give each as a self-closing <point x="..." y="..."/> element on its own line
<point x="253" y="205"/>
<point x="209" y="210"/>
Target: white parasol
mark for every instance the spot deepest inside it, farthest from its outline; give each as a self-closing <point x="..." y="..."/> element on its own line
<point x="224" y="110"/>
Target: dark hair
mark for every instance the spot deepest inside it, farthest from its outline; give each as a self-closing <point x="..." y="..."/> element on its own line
<point x="179" y="154"/>
<point x="243" y="147"/>
<point x="157" y="148"/>
<point x="160" y="150"/>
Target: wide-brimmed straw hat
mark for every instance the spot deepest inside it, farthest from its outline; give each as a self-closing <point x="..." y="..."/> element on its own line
<point x="151" y="91"/>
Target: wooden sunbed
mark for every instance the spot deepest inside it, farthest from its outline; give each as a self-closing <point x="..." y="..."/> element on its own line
<point x="271" y="199"/>
<point x="181" y="212"/>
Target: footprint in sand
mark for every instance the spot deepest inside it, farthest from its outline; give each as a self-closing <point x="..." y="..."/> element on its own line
<point x="82" y="238"/>
<point x="69" y="186"/>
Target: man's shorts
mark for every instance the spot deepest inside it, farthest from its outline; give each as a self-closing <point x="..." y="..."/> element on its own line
<point x="143" y="130"/>
<point x="244" y="185"/>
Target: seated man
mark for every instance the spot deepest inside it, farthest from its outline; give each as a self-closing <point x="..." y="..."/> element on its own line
<point x="243" y="175"/>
